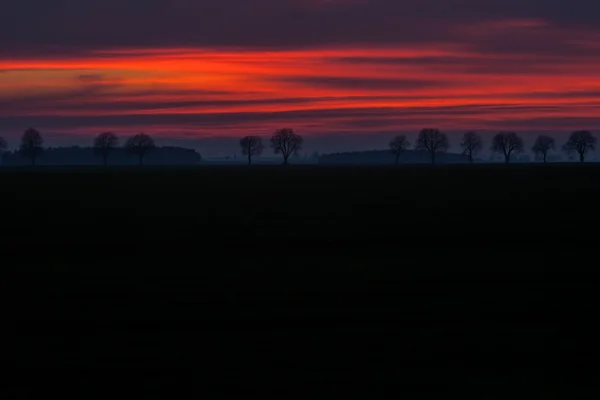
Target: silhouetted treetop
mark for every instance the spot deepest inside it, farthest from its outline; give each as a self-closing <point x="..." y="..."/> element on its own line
<point x="432" y="141"/>
<point x="507" y="143"/>
<point x="106" y="140"/>
<point x="580" y="142"/>
<point x="471" y="144"/>
<point x="251" y="146"/>
<point x="104" y="144"/>
<point x="139" y="145"/>
<point x="31" y="144"/>
<point x="286" y="142"/>
<point x="398" y="145"/>
<point x="543" y="144"/>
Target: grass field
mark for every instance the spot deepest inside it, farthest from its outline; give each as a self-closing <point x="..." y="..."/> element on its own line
<point x="302" y="279"/>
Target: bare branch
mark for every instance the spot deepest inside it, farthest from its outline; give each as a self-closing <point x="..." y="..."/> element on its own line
<point x="104" y="144"/>
<point x="581" y="142"/>
<point x="139" y="145"/>
<point x="251" y="146"/>
<point x="432" y="141"/>
<point x="32" y="144"/>
<point x="399" y="145"/>
<point x="542" y="146"/>
<point x="507" y="143"/>
<point x="471" y="144"/>
<point x="286" y="142"/>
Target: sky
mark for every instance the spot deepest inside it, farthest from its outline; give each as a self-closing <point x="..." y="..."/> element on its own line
<point x="335" y="70"/>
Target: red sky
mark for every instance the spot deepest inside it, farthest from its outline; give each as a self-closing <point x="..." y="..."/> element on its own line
<point x="499" y="72"/>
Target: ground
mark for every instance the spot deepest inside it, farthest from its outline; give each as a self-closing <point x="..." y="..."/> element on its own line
<point x="296" y="280"/>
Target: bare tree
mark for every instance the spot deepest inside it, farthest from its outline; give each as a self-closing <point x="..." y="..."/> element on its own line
<point x="398" y="145"/>
<point x="471" y="144"/>
<point x="542" y="146"/>
<point x="286" y="142"/>
<point x="580" y="142"/>
<point x="251" y="146"/>
<point x="507" y="143"/>
<point x="32" y="145"/>
<point x="433" y="141"/>
<point x="139" y="145"/>
<point x="3" y="147"/>
<point x="104" y="144"/>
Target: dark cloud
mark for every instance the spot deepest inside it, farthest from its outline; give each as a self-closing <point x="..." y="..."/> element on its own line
<point x="91" y="78"/>
<point x="568" y="124"/>
<point x="353" y="83"/>
<point x="505" y="115"/>
<point x="493" y="64"/>
<point x="101" y="103"/>
<point x="50" y="27"/>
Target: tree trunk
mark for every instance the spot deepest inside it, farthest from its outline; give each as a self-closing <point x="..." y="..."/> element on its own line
<point x="507" y="159"/>
<point x="33" y="159"/>
<point x="545" y="156"/>
<point x="397" y="157"/>
<point x="141" y="159"/>
<point x="470" y="158"/>
<point x="285" y="160"/>
<point x="433" y="157"/>
<point x="249" y="158"/>
<point x="105" y="159"/>
<point x="581" y="157"/>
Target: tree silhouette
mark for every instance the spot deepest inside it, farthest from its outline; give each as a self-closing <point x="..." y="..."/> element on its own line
<point x="3" y="147"/>
<point x="433" y="141"/>
<point x="398" y="145"/>
<point x="543" y="144"/>
<point x="104" y="144"/>
<point x="31" y="145"/>
<point x="251" y="146"/>
<point x="580" y="142"/>
<point x="507" y="143"/>
<point x="471" y="144"/>
<point x="139" y="145"/>
<point x="286" y="142"/>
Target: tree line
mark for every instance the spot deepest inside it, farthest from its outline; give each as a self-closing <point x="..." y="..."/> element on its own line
<point x="504" y="143"/>
<point x="32" y="145"/>
<point x="284" y="141"/>
<point x="433" y="141"/>
<point x="287" y="143"/>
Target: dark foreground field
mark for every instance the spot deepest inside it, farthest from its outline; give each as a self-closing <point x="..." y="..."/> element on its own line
<point x="152" y="283"/>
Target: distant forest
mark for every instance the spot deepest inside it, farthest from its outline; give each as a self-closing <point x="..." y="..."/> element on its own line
<point x="386" y="157"/>
<point x="76" y="155"/>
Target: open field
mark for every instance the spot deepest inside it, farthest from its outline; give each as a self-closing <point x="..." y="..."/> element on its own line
<point x="424" y="279"/>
